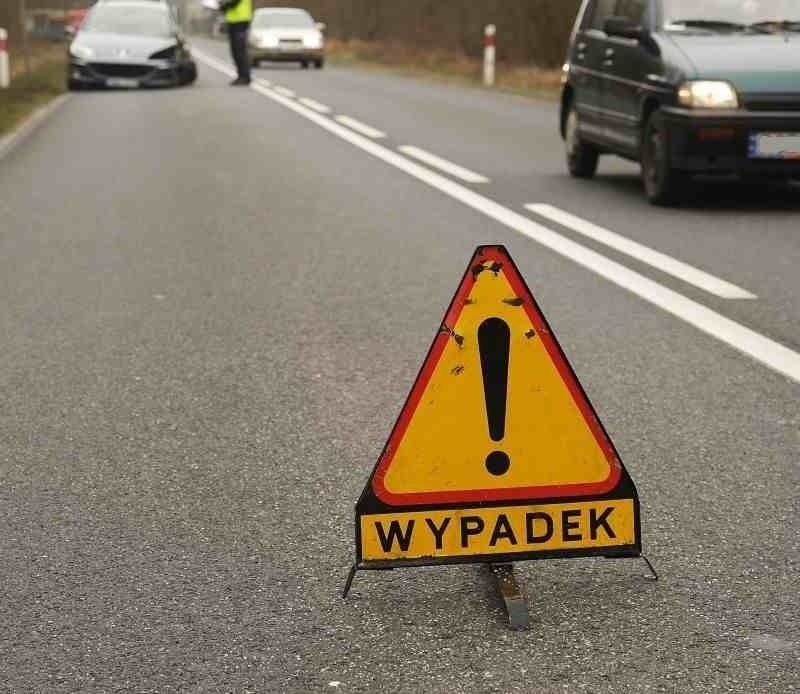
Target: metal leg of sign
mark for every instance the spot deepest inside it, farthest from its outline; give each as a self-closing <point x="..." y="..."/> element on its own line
<point x="516" y="607"/>
<point x="348" y="584"/>
<point x="653" y="575"/>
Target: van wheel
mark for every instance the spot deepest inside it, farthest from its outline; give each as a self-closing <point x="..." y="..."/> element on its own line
<point x="319" y="64"/>
<point x="581" y="157"/>
<point x="662" y="184"/>
<point x="304" y="64"/>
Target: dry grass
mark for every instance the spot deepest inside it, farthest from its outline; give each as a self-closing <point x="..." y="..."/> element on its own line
<point x="440" y="65"/>
<point x="40" y="53"/>
<point x="31" y="91"/>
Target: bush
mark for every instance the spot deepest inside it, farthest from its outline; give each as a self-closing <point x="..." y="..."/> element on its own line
<point x="528" y="31"/>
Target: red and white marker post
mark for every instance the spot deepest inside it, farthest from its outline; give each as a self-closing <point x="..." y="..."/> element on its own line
<point x="489" y="54"/>
<point x="5" y="70"/>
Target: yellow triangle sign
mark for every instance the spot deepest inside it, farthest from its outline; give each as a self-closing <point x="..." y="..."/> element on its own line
<point x="496" y="418"/>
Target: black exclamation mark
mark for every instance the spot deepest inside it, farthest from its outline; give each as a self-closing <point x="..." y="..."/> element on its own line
<point x="494" y="343"/>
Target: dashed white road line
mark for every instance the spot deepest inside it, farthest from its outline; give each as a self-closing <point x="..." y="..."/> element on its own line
<point x="315" y="105"/>
<point x="284" y="91"/>
<point x="443" y="165"/>
<point x="362" y="128"/>
<point x="660" y="261"/>
<point x="741" y="338"/>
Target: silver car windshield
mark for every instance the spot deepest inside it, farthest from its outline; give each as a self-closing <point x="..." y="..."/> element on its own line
<point x="729" y="15"/>
<point x="283" y="20"/>
<point x="132" y="20"/>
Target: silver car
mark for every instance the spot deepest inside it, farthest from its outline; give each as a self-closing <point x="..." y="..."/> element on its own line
<point x="288" y="35"/>
<point x="128" y="44"/>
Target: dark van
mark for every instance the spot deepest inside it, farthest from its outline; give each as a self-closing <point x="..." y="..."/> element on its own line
<point x="686" y="88"/>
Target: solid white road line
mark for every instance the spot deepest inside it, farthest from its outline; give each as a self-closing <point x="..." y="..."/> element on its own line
<point x="443" y="165"/>
<point x="660" y="261"/>
<point x="759" y="347"/>
<point x="283" y="91"/>
<point x="315" y="106"/>
<point x="218" y="65"/>
<point x="359" y="127"/>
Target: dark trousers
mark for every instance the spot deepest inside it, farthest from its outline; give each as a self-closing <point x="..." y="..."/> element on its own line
<point x="237" y="36"/>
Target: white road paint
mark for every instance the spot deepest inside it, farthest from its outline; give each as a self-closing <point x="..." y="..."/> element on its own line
<point x="315" y="105"/>
<point x="218" y="65"/>
<point x="741" y="338"/>
<point x="359" y="127"/>
<point x="284" y="91"/>
<point x="660" y="261"/>
<point x="265" y="83"/>
<point x="443" y="165"/>
<point x="30" y="125"/>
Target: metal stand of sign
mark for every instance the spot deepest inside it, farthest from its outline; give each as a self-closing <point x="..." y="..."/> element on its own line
<point x="348" y="584"/>
<point x="653" y="576"/>
<point x="507" y="586"/>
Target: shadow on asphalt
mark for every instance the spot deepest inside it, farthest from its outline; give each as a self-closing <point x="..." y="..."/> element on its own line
<point x="722" y="196"/>
<point x="282" y="67"/>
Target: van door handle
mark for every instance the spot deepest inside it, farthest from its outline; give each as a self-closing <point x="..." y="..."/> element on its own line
<point x="582" y="46"/>
<point x="610" y="53"/>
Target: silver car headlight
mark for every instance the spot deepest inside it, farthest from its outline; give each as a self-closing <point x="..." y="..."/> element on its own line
<point x="708" y="94"/>
<point x="81" y="52"/>
<point x="171" y="53"/>
<point x="313" y="41"/>
<point x="267" y="41"/>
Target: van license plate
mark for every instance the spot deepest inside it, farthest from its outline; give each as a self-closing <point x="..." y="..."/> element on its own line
<point x="774" y="146"/>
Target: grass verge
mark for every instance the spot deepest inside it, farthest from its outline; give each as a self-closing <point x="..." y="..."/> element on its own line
<point x="29" y="92"/>
<point x="442" y="66"/>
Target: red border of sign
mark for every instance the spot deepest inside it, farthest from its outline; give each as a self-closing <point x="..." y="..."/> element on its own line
<point x="500" y="255"/>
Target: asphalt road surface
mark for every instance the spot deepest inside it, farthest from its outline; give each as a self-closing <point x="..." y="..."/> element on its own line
<point x="214" y="302"/>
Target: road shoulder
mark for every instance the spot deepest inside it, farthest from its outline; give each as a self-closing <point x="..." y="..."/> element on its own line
<point x="28" y="126"/>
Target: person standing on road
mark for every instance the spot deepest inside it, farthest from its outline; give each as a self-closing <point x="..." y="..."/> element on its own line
<point x="238" y="15"/>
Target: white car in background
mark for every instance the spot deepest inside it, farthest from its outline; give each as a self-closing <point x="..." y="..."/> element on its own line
<point x="287" y="35"/>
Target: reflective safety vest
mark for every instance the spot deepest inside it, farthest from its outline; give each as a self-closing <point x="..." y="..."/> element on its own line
<point x="243" y="12"/>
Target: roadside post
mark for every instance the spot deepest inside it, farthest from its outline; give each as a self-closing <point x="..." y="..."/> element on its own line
<point x="489" y="54"/>
<point x="5" y="69"/>
<point x="497" y="456"/>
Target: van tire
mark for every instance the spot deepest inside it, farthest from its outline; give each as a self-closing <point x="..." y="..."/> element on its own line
<point x="663" y="185"/>
<point x="582" y="157"/>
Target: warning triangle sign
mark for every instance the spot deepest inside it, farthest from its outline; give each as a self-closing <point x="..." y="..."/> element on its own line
<point x="496" y="416"/>
<point x="497" y="413"/>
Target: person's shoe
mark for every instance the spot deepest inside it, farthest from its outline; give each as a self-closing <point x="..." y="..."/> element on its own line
<point x="239" y="82"/>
